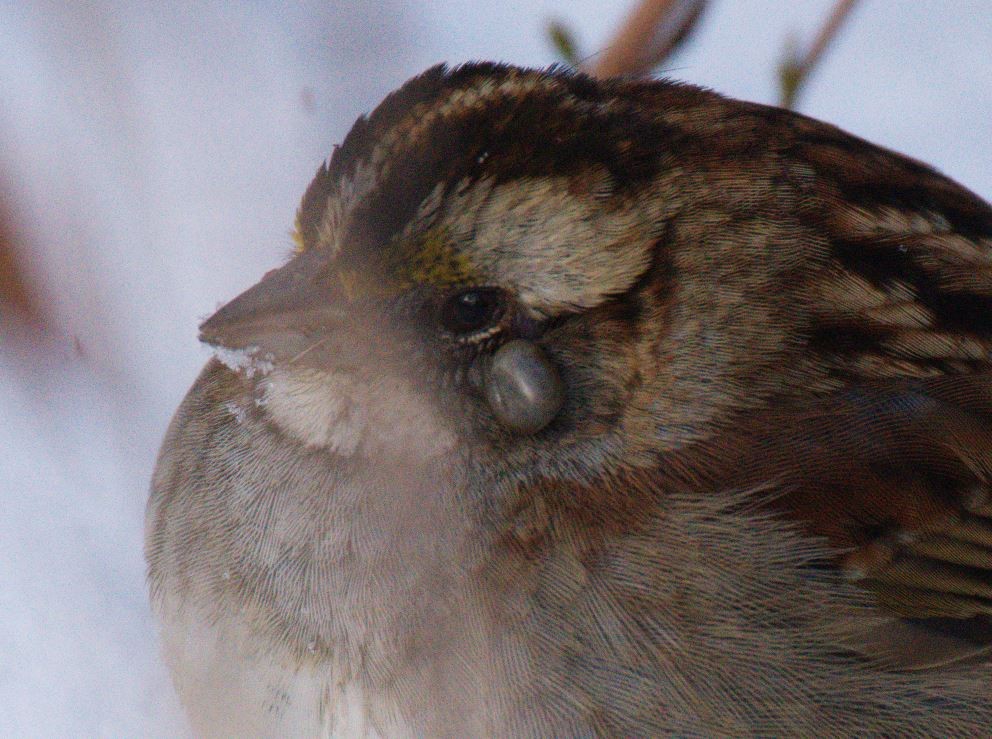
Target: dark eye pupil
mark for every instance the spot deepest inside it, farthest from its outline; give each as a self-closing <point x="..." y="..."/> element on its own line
<point x="472" y="310"/>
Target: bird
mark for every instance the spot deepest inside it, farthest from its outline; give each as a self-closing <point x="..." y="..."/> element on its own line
<point x="591" y="407"/>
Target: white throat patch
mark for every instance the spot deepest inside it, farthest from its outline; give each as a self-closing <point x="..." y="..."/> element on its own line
<point x="336" y="411"/>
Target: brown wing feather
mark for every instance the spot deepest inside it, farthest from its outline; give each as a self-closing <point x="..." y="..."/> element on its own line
<point x="893" y="462"/>
<point x="895" y="468"/>
<point x="895" y="475"/>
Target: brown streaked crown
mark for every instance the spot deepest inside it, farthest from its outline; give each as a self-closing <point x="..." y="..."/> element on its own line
<point x="490" y="120"/>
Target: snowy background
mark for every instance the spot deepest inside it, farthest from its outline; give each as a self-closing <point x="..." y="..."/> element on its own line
<point x="152" y="158"/>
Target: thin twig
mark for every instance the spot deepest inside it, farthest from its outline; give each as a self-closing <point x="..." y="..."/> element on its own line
<point x="795" y="71"/>
<point x="649" y="35"/>
<point x="16" y="293"/>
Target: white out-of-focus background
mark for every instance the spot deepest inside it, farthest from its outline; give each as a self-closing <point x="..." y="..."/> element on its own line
<point x="151" y="160"/>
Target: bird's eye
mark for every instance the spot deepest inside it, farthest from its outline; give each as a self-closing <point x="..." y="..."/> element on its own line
<point x="470" y="311"/>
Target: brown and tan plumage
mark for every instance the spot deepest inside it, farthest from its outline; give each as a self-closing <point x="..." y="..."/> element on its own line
<point x="593" y="408"/>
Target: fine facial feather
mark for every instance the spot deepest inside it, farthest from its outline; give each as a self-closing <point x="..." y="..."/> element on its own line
<point x="774" y="339"/>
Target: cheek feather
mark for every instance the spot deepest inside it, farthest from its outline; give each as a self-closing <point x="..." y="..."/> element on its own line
<point x="317" y="409"/>
<point x="347" y="415"/>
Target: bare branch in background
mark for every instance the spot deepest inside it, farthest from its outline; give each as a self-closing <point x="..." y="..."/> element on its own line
<point x="563" y="40"/>
<point x="795" y="70"/>
<point x="16" y="295"/>
<point x="654" y="30"/>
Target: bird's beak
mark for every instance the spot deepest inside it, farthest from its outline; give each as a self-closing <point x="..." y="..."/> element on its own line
<point x="281" y="315"/>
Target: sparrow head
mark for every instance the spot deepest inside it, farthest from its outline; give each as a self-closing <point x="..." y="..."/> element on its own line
<point x="488" y="237"/>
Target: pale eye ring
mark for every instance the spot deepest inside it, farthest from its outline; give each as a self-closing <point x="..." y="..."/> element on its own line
<point x="473" y="310"/>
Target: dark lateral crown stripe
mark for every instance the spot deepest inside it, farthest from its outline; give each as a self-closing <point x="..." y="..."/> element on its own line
<point x="509" y="123"/>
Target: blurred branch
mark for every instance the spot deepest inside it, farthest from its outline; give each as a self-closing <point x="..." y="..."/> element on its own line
<point x="563" y="40"/>
<point x="16" y="296"/>
<point x="795" y="70"/>
<point x="651" y="33"/>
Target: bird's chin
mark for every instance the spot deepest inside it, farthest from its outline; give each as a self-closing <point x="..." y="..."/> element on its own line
<point x="382" y="416"/>
<point x="248" y="362"/>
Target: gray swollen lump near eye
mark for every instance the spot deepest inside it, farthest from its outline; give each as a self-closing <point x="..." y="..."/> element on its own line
<point x="523" y="387"/>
